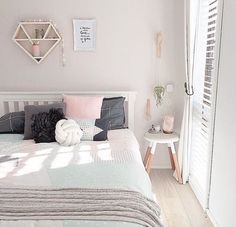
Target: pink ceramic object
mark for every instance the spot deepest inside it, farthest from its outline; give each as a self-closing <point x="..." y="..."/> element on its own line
<point x="168" y="124"/>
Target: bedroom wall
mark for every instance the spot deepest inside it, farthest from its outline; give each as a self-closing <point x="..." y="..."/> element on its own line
<point x="124" y="58"/>
<point x="223" y="184"/>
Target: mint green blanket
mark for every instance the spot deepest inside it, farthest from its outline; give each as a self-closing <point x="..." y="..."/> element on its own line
<point x="115" y="164"/>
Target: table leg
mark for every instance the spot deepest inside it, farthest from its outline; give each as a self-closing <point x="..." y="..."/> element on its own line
<point x="150" y="158"/>
<point x="147" y="155"/>
<point x="171" y="158"/>
<point x="176" y="163"/>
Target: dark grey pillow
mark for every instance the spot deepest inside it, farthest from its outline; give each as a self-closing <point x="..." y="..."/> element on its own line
<point x="13" y="123"/>
<point x="30" y="110"/>
<point x="113" y="110"/>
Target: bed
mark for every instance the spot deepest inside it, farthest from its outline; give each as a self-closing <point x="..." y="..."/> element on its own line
<point x="102" y="165"/>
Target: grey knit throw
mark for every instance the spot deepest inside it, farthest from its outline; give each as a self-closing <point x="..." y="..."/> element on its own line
<point x="78" y="204"/>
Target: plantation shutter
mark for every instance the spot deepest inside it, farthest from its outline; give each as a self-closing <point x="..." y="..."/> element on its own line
<point x="204" y="79"/>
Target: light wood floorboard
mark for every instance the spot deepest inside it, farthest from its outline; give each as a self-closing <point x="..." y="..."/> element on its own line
<point x="179" y="205"/>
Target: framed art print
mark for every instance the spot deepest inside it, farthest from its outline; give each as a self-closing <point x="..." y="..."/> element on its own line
<point x="84" y="34"/>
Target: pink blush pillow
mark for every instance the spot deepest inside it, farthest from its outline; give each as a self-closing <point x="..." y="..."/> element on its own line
<point x="83" y="107"/>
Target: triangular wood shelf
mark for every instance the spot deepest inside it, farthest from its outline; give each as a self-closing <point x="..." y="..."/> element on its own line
<point x="47" y="38"/>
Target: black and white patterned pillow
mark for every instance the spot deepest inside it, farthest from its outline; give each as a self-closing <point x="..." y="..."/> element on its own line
<point x="93" y="130"/>
<point x="13" y="123"/>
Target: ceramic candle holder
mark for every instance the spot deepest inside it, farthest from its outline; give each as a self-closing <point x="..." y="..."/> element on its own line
<point x="168" y="124"/>
<point x="157" y="127"/>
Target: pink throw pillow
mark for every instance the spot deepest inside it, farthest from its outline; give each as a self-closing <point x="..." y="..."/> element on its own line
<point x="83" y="107"/>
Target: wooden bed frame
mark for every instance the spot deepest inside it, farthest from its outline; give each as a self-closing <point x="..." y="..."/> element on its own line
<point x="15" y="101"/>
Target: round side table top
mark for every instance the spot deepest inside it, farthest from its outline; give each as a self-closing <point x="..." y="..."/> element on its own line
<point x="161" y="137"/>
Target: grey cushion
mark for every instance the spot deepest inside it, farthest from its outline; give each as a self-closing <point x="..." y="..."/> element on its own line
<point x="113" y="110"/>
<point x="30" y="110"/>
<point x="12" y="122"/>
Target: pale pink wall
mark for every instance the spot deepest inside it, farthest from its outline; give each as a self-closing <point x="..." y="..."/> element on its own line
<point x="124" y="58"/>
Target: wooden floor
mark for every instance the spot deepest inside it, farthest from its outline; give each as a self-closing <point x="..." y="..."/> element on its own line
<point x="179" y="205"/>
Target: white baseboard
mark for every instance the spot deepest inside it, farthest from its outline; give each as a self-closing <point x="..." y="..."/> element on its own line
<point x="198" y="192"/>
<point x="211" y="217"/>
<point x="193" y="184"/>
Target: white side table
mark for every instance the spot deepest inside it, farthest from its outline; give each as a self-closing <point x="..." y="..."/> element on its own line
<point x="162" y="138"/>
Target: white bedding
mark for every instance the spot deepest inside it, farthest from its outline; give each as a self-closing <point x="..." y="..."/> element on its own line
<point x="113" y="164"/>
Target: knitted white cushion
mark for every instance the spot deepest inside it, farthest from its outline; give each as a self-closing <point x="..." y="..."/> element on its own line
<point x="68" y="132"/>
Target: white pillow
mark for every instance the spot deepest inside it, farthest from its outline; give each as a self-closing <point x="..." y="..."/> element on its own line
<point x="68" y="132"/>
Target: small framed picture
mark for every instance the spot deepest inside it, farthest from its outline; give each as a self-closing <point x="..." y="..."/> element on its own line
<point x="84" y="34"/>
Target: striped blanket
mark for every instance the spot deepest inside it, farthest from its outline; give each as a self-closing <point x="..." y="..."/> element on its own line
<point x="78" y="204"/>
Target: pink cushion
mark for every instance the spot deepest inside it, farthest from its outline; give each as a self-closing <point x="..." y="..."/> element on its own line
<point x="83" y="107"/>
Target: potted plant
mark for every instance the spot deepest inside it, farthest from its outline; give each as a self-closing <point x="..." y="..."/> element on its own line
<point x="159" y="92"/>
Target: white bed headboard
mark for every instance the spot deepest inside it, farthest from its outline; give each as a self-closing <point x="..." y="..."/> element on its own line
<point x="15" y="101"/>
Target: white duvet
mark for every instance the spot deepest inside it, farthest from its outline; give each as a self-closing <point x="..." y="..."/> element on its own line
<point x="115" y="163"/>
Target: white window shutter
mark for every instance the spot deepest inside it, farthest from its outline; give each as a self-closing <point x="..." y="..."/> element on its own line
<point x="204" y="77"/>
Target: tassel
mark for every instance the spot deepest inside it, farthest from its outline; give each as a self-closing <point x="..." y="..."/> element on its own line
<point x="148" y="110"/>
